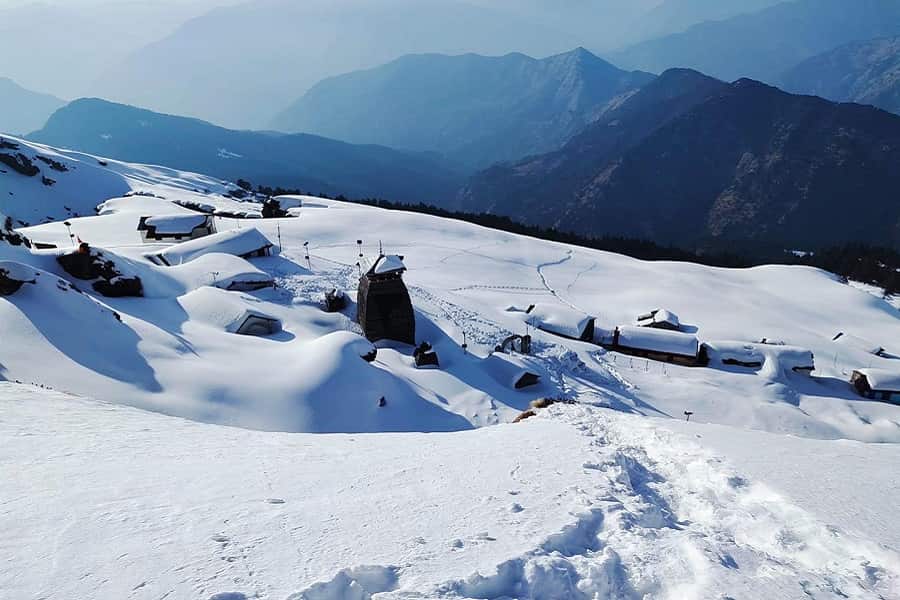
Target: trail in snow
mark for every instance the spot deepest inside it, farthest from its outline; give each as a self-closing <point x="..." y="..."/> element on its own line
<point x="665" y="518"/>
<point x="546" y="284"/>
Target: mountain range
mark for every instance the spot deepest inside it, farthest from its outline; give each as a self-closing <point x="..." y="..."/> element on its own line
<point x="63" y="46"/>
<point x="477" y="110"/>
<point x="867" y="72"/>
<point x="302" y="161"/>
<point x="765" y="44"/>
<point x="691" y="160"/>
<point x="23" y="111"/>
<point x="240" y="65"/>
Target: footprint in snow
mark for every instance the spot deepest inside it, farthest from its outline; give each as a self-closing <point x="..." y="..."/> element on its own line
<point x="516" y="508"/>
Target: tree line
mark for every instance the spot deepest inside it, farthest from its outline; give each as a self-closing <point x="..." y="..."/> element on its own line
<point x="875" y="265"/>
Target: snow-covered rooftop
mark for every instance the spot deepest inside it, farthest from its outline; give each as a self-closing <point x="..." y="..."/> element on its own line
<point x="656" y="340"/>
<point x="882" y="379"/>
<point x="178" y="223"/>
<point x="239" y="242"/>
<point x="221" y="309"/>
<point x="383" y="264"/>
<point x="659" y="316"/>
<point x="559" y="319"/>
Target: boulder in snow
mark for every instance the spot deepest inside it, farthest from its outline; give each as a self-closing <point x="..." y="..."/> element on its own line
<point x="13" y="275"/>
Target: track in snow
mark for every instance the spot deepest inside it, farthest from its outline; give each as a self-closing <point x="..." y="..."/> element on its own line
<point x="664" y="519"/>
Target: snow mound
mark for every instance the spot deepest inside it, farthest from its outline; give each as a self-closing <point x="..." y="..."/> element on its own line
<point x="140" y="205"/>
<point x="53" y="323"/>
<point x="338" y="391"/>
<point x="17" y="271"/>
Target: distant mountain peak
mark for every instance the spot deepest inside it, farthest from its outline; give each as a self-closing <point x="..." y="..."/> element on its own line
<point x="866" y="72"/>
<point x="23" y="110"/>
<point x="475" y="109"/>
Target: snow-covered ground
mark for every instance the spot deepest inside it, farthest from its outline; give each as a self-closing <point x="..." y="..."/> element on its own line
<point x="379" y="477"/>
<point x="105" y="501"/>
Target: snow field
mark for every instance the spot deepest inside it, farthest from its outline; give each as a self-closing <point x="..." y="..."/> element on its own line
<point x="577" y="502"/>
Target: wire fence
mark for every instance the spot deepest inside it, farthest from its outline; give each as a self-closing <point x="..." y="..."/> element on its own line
<point x="635" y="363"/>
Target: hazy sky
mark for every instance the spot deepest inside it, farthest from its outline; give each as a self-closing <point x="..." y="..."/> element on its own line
<point x="241" y="65"/>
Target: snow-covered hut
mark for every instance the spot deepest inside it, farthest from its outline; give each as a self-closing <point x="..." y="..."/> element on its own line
<point x="657" y="344"/>
<point x="660" y="319"/>
<point x="229" y="311"/>
<point x="512" y="371"/>
<point x="562" y="321"/>
<point x="877" y="384"/>
<point x="176" y="227"/>
<point x="13" y="276"/>
<point x="857" y="343"/>
<point x="245" y="243"/>
<point x="757" y="356"/>
<point x="384" y="308"/>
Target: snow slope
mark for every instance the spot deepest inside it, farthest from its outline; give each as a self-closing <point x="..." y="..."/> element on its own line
<point x="111" y="502"/>
<point x="287" y="466"/>
<point x="463" y="280"/>
<point x="81" y="181"/>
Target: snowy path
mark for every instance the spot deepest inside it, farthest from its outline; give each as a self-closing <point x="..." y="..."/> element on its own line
<point x="106" y="501"/>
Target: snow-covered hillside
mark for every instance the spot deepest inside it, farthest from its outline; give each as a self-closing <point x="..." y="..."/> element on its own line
<point x="612" y="496"/>
<point x="65" y="184"/>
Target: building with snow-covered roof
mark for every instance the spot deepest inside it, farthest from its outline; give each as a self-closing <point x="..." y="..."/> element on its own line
<point x="562" y="321"/>
<point x="658" y="344"/>
<point x="512" y="371"/>
<point x="877" y="384"/>
<point x="245" y="243"/>
<point x="660" y="319"/>
<point x="176" y="227"/>
<point x="229" y="311"/>
<point x="757" y="356"/>
<point x="384" y="308"/>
